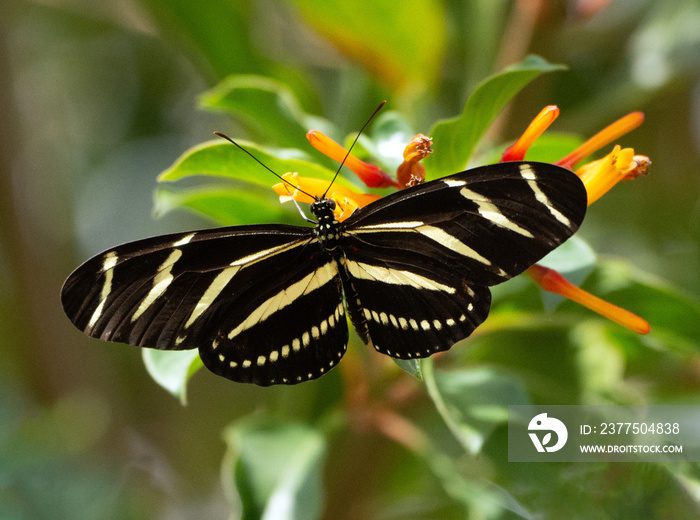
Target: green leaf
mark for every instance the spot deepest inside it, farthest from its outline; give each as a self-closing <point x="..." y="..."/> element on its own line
<point x="410" y="366"/>
<point x="275" y="469"/>
<point x="225" y="206"/>
<point x="222" y="159"/>
<point x="536" y="348"/>
<point x="572" y="257"/>
<point x="473" y="401"/>
<point x="673" y="316"/>
<point x="268" y="109"/>
<point x="402" y="43"/>
<point x="454" y="140"/>
<point x="172" y="369"/>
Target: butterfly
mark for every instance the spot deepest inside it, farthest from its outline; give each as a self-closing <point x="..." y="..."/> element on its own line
<point x="269" y="303"/>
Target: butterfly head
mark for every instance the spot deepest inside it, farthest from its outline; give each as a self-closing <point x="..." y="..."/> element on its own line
<point x="323" y="208"/>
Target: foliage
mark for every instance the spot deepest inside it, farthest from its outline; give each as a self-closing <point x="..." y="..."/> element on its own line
<point x="470" y="398"/>
<point x="105" y="99"/>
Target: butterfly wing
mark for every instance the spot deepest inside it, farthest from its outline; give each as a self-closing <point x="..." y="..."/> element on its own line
<point x="247" y="297"/>
<point x="419" y="262"/>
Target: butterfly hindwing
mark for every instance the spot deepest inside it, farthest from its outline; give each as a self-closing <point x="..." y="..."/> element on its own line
<point x="287" y="327"/>
<point x="409" y="310"/>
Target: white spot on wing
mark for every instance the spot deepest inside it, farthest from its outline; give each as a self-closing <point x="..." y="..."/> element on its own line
<point x="217" y="285"/>
<point x="285" y="297"/>
<point x="489" y="211"/>
<point x="110" y="260"/>
<point x="395" y="276"/>
<point x="528" y="174"/>
<point x="184" y="240"/>
<point x="160" y="283"/>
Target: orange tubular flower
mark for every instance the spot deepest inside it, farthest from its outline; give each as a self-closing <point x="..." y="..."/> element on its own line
<point x="550" y="280"/>
<point x="409" y="173"/>
<point x="370" y="174"/>
<point x="598" y="177"/>
<point x="516" y="151"/>
<point x="606" y="136"/>
<point x="346" y="199"/>
<point x="619" y="165"/>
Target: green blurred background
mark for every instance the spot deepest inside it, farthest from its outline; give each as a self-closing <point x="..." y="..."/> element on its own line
<point x="97" y="98"/>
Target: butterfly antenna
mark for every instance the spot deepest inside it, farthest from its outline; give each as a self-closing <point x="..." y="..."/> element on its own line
<point x="296" y="204"/>
<point x="297" y="188"/>
<point x="352" y="145"/>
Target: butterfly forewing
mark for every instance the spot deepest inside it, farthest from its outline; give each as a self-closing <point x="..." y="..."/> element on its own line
<point x="486" y="225"/>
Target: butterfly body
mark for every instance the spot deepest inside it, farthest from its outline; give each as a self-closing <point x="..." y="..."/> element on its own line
<point x="266" y="304"/>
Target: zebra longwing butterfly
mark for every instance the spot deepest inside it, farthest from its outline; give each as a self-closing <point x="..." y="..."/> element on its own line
<point x="267" y="304"/>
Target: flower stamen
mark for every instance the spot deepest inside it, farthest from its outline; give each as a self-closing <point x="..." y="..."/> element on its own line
<point x="411" y="172"/>
<point x="621" y="164"/>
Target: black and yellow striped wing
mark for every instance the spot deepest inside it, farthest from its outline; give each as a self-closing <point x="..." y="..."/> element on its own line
<point x="264" y="304"/>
